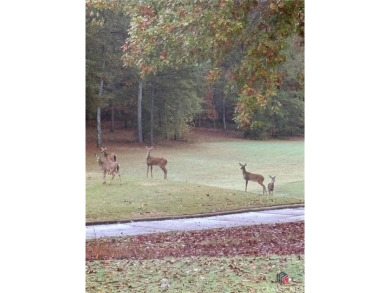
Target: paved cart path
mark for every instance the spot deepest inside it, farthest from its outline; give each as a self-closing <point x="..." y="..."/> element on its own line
<point x="212" y="222"/>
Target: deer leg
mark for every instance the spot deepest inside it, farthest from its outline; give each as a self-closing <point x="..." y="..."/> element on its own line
<point x="113" y="175"/>
<point x="147" y="171"/>
<point x="165" y="171"/>
<point x="104" y="177"/>
<point x="151" y="171"/>
<point x="120" y="178"/>
<point x="264" y="189"/>
<point x="246" y="184"/>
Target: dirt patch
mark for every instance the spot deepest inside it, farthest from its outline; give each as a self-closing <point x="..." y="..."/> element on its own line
<point x="281" y="239"/>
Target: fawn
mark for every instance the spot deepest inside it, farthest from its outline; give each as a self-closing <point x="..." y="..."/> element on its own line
<point x="252" y="177"/>
<point x="109" y="167"/>
<point x="150" y="161"/>
<point x="271" y="185"/>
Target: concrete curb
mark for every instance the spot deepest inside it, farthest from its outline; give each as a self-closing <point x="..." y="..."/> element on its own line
<point x="292" y="206"/>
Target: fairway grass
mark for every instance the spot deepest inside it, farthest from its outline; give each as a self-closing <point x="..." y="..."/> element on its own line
<point x="196" y="274"/>
<point x="144" y="198"/>
<point x="203" y="176"/>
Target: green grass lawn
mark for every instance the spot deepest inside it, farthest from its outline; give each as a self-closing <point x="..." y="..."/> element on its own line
<point x="203" y="176"/>
<point x="196" y="274"/>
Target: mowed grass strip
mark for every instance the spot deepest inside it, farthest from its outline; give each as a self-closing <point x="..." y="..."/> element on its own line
<point x="142" y="198"/>
<point x="203" y="176"/>
<point x="196" y="274"/>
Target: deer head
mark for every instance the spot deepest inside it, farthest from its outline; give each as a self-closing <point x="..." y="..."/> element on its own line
<point x="149" y="150"/>
<point x="242" y="166"/>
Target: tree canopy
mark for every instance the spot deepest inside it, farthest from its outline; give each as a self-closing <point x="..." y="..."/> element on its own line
<point x="246" y="56"/>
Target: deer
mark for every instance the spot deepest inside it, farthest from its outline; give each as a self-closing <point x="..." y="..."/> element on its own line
<point x="109" y="167"/>
<point x="150" y="161"/>
<point x="252" y="177"/>
<point x="109" y="156"/>
<point x="271" y="185"/>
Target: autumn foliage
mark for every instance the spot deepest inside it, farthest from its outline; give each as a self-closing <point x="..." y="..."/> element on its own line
<point x="281" y="239"/>
<point x="184" y="33"/>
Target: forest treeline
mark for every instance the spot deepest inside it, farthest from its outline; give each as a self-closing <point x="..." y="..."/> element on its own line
<point x="163" y="67"/>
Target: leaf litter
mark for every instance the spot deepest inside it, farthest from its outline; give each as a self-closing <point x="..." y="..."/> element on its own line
<point x="240" y="259"/>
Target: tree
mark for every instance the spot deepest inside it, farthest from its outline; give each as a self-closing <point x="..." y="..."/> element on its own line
<point x="172" y="34"/>
<point x="106" y="31"/>
<point x="172" y="101"/>
<point x="139" y="111"/>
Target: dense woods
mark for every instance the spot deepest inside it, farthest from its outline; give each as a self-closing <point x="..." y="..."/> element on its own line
<point x="163" y="67"/>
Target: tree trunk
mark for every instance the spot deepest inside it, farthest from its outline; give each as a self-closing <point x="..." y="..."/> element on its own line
<point x="166" y="120"/>
<point x="99" y="128"/>
<point x="139" y="112"/>
<point x="98" y="112"/>
<point x="125" y="118"/>
<point x="176" y="135"/>
<point x="112" y="119"/>
<point x="152" y="116"/>
<point x="223" y="112"/>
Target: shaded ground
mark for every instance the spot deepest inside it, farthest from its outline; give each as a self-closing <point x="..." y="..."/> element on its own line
<point x="280" y="239"/>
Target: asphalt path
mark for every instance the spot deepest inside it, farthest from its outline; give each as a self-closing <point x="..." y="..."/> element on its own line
<point x="189" y="224"/>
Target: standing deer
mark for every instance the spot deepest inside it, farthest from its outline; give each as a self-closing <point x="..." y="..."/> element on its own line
<point x="252" y="177"/>
<point x="150" y="161"/>
<point x="109" y="156"/>
<point x="109" y="167"/>
<point x="271" y="185"/>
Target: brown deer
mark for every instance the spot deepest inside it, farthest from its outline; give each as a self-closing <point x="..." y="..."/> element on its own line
<point x="252" y="177"/>
<point x="150" y="161"/>
<point x="108" y="156"/>
<point x="109" y="167"/>
<point x="271" y="185"/>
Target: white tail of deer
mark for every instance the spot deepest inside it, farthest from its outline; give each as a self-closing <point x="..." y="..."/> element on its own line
<point x="150" y="161"/>
<point x="109" y="156"/>
<point x="109" y="167"/>
<point x="252" y="177"/>
<point x="271" y="185"/>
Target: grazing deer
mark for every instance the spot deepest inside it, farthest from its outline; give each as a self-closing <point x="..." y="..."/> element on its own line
<point x="252" y="177"/>
<point x="150" y="161"/>
<point x="271" y="185"/>
<point x="109" y="156"/>
<point x="109" y="167"/>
